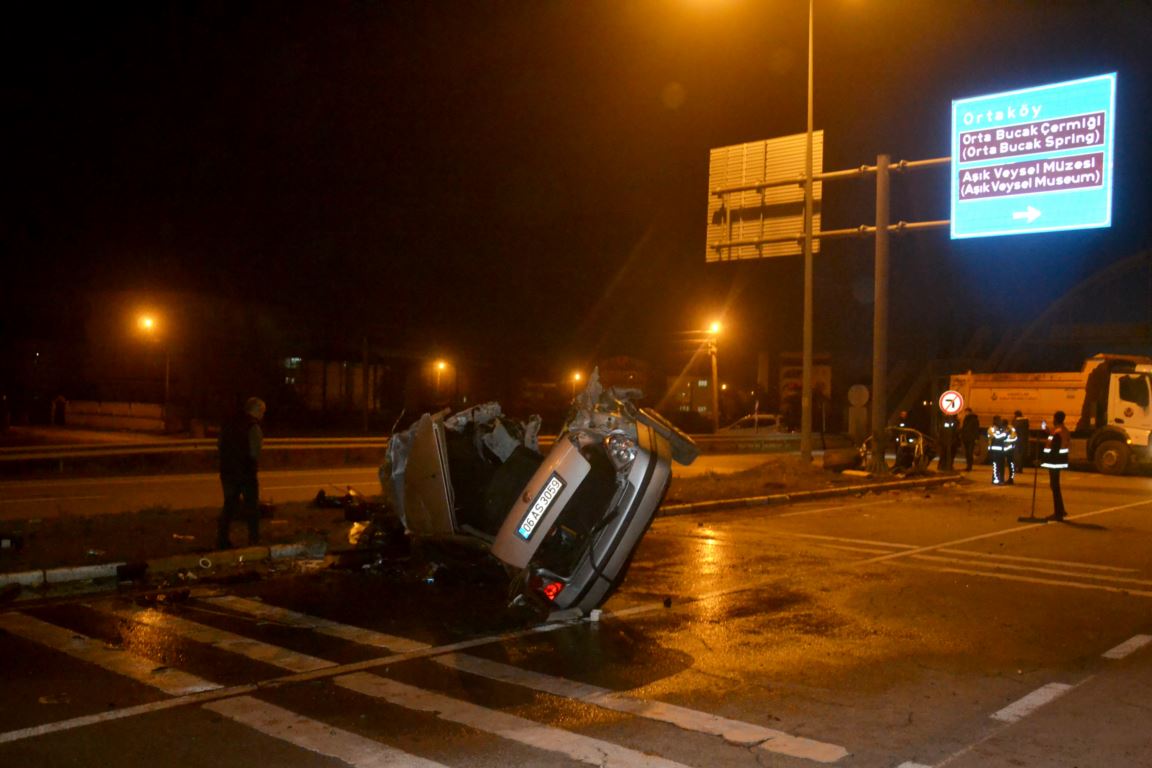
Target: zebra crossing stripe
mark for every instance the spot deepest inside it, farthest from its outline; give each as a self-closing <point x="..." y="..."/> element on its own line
<point x="284" y="616"/>
<point x="314" y="736"/>
<point x="732" y="731"/>
<point x="576" y="746"/>
<point x="224" y="640"/>
<point x="138" y="668"/>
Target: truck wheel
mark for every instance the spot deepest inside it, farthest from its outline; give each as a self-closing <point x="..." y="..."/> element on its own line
<point x="1112" y="457"/>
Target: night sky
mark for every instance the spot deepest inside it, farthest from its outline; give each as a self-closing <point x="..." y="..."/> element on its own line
<point x="529" y="178"/>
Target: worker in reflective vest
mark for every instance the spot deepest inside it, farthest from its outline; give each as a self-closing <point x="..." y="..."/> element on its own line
<point x="997" y="444"/>
<point x="1054" y="458"/>
<point x="1010" y="438"/>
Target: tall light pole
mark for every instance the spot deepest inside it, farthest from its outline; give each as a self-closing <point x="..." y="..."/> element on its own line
<point x="575" y="381"/>
<point x="713" y="338"/>
<point x="806" y="379"/>
<point x="150" y="326"/>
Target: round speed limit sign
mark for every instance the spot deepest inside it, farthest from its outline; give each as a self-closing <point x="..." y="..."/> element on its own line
<point x="951" y="402"/>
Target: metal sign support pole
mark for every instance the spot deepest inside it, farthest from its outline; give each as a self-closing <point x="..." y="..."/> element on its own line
<point x="806" y="378"/>
<point x="880" y="323"/>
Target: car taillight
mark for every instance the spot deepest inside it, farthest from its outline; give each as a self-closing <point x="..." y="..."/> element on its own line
<point x="545" y="585"/>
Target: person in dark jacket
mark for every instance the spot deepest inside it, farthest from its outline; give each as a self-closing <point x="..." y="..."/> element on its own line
<point x="969" y="434"/>
<point x="1022" y="453"/>
<point x="1054" y="458"/>
<point x="241" y="439"/>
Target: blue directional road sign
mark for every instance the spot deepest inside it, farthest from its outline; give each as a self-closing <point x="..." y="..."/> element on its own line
<point x="1033" y="160"/>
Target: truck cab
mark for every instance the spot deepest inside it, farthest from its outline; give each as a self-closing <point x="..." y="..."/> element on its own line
<point x="1119" y="435"/>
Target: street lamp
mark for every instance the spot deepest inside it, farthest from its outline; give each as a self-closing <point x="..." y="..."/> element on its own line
<point x="440" y="366"/>
<point x="575" y="382"/>
<point x="714" y="334"/>
<point x="149" y="325"/>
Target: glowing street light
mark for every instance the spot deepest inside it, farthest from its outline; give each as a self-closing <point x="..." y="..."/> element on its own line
<point x="149" y="325"/>
<point x="576" y="377"/>
<point x="714" y="335"/>
<point x="440" y="366"/>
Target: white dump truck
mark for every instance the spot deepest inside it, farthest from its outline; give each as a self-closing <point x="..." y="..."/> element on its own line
<point x="1108" y="405"/>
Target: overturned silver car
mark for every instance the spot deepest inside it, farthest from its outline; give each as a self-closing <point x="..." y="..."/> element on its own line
<point x="564" y="524"/>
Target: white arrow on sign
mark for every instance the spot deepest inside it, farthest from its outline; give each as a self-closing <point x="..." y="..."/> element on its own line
<point x="1031" y="214"/>
<point x="951" y="402"/>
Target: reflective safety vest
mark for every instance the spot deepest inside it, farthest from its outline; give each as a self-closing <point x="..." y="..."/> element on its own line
<point x="1010" y="437"/>
<point x="1055" y="452"/>
<point x="997" y="437"/>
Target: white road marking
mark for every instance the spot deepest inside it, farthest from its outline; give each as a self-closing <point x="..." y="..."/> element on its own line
<point x="1128" y="647"/>
<point x="1035" y="569"/>
<point x="1018" y="710"/>
<point x="301" y="731"/>
<point x="993" y="534"/>
<point x="912" y="765"/>
<point x="130" y="665"/>
<point x="842" y="540"/>
<point x="315" y="736"/>
<point x="224" y="640"/>
<point x="298" y="677"/>
<point x="322" y="626"/>
<point x="1029" y="579"/>
<point x="736" y="732"/>
<point x="733" y="731"/>
<point x="576" y="746"/>
<point x="1045" y="561"/>
<point x="60" y="726"/>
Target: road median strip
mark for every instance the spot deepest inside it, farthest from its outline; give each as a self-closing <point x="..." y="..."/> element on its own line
<point x="39" y="579"/>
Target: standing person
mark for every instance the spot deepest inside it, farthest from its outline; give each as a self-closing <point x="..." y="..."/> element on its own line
<point x="946" y="436"/>
<point x="241" y="439"/>
<point x="1055" y="459"/>
<point x="1022" y="456"/>
<point x="1009" y="458"/>
<point x="997" y="445"/>
<point x="969" y="434"/>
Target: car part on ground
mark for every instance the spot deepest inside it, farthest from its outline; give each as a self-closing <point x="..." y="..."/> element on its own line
<point x="913" y="450"/>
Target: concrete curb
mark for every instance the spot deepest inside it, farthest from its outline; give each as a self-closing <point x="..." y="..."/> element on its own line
<point x="194" y="562"/>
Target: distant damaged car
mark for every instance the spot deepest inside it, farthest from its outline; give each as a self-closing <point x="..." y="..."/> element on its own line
<point x="564" y="524"/>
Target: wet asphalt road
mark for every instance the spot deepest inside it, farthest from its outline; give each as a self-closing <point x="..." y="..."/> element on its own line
<point x="904" y="629"/>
